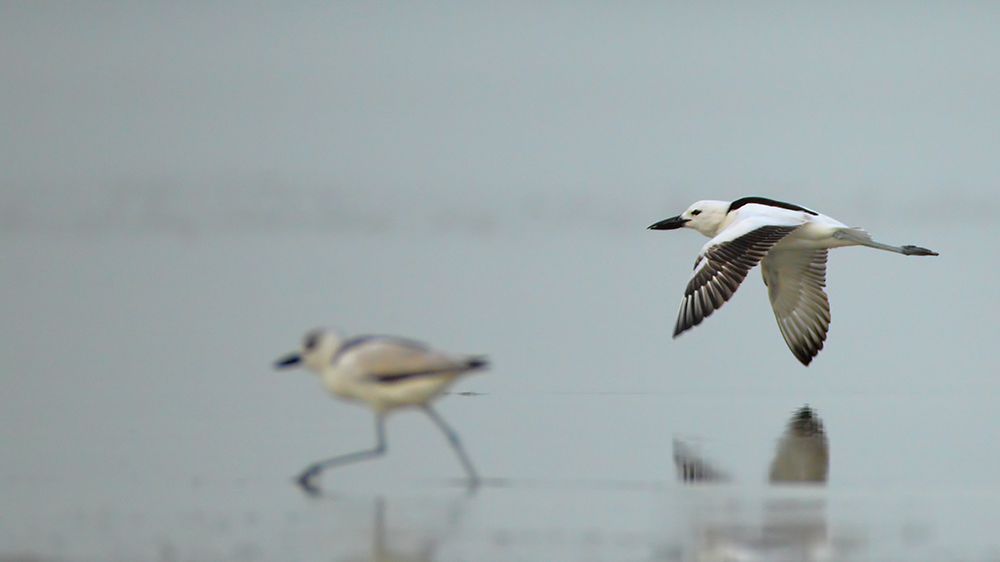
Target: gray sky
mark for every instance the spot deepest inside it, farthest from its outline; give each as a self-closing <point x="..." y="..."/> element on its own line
<point x="629" y="105"/>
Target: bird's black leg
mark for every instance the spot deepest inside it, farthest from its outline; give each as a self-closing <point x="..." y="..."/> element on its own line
<point x="456" y="444"/>
<point x="305" y="480"/>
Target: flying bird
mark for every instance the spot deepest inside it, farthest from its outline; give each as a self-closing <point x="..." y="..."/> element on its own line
<point x="386" y="373"/>
<point x="791" y="244"/>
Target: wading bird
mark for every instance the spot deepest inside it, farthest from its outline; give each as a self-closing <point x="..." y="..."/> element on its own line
<point x="386" y="373"/>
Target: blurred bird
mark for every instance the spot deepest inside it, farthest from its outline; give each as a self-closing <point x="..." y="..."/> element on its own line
<point x="386" y="373"/>
<point x="789" y="241"/>
<point x="803" y="454"/>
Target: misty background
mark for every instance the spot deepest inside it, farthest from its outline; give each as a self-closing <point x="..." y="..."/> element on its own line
<point x="185" y="189"/>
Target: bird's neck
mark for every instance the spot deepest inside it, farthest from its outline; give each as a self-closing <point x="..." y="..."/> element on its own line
<point x="336" y="384"/>
<point x="713" y="228"/>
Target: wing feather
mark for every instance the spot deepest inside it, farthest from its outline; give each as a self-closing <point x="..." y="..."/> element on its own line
<point x="722" y="266"/>
<point x="795" y="281"/>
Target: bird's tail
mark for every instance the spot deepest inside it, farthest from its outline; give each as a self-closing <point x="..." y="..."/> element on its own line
<point x="478" y="362"/>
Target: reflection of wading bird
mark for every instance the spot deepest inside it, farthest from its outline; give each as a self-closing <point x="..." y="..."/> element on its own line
<point x="386" y="373"/>
<point x="789" y="241"/>
<point x="416" y="540"/>
<point x="380" y="543"/>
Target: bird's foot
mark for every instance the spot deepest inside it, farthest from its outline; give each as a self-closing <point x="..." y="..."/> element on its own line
<point x="305" y="481"/>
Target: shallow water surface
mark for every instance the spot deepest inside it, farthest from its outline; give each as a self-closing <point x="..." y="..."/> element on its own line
<point x="141" y="419"/>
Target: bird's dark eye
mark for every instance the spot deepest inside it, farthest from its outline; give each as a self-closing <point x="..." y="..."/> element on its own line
<point x="311" y="340"/>
<point x="695" y="212"/>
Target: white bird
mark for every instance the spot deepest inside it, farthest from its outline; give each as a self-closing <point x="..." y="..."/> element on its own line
<point x="789" y="241"/>
<point x="386" y="373"/>
<point x="803" y="454"/>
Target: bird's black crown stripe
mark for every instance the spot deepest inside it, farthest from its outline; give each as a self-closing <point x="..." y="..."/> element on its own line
<point x="769" y="202"/>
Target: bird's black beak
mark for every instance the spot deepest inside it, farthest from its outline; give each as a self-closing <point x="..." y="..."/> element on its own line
<point x="669" y="224"/>
<point x="288" y="361"/>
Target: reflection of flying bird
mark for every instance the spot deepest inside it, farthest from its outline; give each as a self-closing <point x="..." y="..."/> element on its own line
<point x="738" y="528"/>
<point x="802" y="455"/>
<point x="789" y="527"/>
<point x="692" y="467"/>
<point x="789" y="241"/>
<point x="386" y="373"/>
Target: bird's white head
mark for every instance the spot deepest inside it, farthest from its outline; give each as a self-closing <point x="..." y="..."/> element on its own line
<point x="316" y="353"/>
<point x="704" y="216"/>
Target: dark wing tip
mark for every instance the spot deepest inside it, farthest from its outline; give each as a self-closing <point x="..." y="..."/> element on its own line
<point x="805" y="353"/>
<point x="480" y="362"/>
<point x="699" y="303"/>
<point x="679" y="327"/>
<point x="917" y="251"/>
<point x="684" y="323"/>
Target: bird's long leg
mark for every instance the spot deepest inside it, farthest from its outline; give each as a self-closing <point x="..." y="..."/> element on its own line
<point x="863" y="240"/>
<point x="305" y="479"/>
<point x="455" y="443"/>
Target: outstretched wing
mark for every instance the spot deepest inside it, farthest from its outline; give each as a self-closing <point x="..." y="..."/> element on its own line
<point x="722" y="265"/>
<point x="795" y="281"/>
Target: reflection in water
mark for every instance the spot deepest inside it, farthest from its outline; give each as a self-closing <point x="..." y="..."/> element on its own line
<point x="802" y="455"/>
<point x="412" y="542"/>
<point x="732" y="527"/>
<point x="728" y="528"/>
<point x="692" y="467"/>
